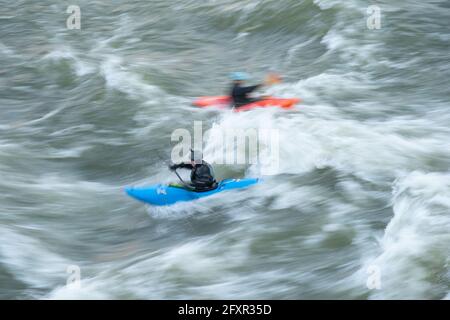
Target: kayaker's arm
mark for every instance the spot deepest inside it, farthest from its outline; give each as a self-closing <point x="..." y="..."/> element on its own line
<point x="181" y="165"/>
<point x="241" y="95"/>
<point x="247" y="90"/>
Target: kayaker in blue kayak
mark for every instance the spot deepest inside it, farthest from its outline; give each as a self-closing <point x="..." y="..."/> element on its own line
<point x="240" y="94"/>
<point x="202" y="173"/>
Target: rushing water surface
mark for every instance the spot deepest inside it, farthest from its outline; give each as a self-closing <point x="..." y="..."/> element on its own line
<point x="363" y="188"/>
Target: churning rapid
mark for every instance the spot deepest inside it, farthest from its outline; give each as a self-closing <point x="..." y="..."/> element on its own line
<point x="360" y="207"/>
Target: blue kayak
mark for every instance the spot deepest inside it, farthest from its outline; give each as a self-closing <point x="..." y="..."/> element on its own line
<point x="165" y="195"/>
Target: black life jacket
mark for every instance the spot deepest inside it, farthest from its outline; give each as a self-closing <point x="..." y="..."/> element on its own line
<point x="241" y="95"/>
<point x="203" y="175"/>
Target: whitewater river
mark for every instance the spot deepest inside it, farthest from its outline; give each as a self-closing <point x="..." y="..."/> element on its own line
<point x="359" y="207"/>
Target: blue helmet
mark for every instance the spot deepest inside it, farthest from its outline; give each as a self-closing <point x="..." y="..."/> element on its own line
<point x="239" y="76"/>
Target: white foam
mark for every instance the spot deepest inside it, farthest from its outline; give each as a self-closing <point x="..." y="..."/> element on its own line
<point x="416" y="241"/>
<point x="198" y="260"/>
<point x="118" y="77"/>
<point x="29" y="261"/>
<point x="372" y="150"/>
<point x="80" y="67"/>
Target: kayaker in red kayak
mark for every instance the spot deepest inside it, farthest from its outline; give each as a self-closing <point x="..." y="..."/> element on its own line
<point x="240" y="94"/>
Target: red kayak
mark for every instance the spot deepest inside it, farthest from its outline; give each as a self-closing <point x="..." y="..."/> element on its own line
<point x="225" y="101"/>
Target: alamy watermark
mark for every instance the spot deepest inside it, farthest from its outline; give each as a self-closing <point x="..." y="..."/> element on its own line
<point x="231" y="146"/>
<point x="373" y="21"/>
<point x="74" y="278"/>
<point x="74" y="20"/>
<point x="374" y="278"/>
